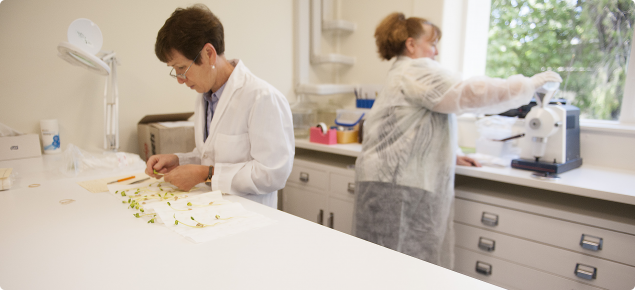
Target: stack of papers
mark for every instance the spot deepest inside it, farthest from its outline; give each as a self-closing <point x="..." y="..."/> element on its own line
<point x="5" y="178"/>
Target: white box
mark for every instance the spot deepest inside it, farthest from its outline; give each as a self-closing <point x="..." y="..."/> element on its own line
<point x="22" y="146"/>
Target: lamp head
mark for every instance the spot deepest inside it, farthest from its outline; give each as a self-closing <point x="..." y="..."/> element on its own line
<point x="84" y="42"/>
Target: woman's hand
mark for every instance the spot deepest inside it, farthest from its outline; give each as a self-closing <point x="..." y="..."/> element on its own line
<point x="162" y="163"/>
<point x="467" y="161"/>
<point x="542" y="78"/>
<point x="187" y="176"/>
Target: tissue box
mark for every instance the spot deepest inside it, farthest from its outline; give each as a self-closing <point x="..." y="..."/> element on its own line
<point x="164" y="134"/>
<point x="21" y="146"/>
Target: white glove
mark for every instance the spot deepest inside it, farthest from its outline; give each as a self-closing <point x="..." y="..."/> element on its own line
<point x="544" y="77"/>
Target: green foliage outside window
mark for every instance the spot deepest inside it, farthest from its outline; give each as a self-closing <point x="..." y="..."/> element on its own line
<point x="586" y="41"/>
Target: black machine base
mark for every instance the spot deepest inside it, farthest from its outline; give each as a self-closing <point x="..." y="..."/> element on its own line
<point x="547" y="167"/>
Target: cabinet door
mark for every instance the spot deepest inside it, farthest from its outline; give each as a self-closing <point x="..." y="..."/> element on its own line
<point x="342" y="215"/>
<point x="305" y="204"/>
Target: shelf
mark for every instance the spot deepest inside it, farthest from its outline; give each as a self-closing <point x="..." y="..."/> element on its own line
<point x="332" y="58"/>
<point x="352" y="149"/>
<point x="324" y="89"/>
<point x="338" y="26"/>
<point x="590" y="181"/>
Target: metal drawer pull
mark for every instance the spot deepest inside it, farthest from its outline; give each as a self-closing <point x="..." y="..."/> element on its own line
<point x="304" y="177"/>
<point x="591" y="243"/>
<point x="331" y="220"/>
<point x="351" y="187"/>
<point x="483" y="268"/>
<point x="321" y="217"/>
<point x="489" y="219"/>
<point x="486" y="244"/>
<point x="585" y="272"/>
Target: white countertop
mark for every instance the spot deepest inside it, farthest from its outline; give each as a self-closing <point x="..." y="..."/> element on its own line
<point x="95" y="243"/>
<point x="590" y="181"/>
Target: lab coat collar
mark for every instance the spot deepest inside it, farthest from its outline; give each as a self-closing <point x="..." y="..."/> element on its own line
<point x="235" y="82"/>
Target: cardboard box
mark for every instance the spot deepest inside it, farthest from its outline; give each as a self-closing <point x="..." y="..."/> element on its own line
<point x="22" y="146"/>
<point x="158" y="136"/>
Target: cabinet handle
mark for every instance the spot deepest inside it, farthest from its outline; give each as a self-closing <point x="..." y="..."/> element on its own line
<point x="304" y="177"/>
<point x="486" y="244"/>
<point x="585" y="272"/>
<point x="321" y="217"/>
<point x="331" y="220"/>
<point x="591" y="243"/>
<point x="489" y="219"/>
<point x="483" y="268"/>
<point x="351" y="187"/>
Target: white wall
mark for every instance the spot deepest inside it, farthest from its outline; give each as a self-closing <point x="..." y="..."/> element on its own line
<point x="35" y="84"/>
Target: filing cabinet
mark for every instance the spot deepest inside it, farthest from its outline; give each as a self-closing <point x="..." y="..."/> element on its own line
<point x="321" y="189"/>
<point x="526" y="238"/>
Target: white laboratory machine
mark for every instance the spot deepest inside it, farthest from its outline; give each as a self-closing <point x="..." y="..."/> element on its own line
<point x="552" y="137"/>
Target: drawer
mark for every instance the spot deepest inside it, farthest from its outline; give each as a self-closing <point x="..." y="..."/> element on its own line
<point x="615" y="246"/>
<point x="309" y="178"/>
<point x="343" y="185"/>
<point x="545" y="258"/>
<point x="510" y="275"/>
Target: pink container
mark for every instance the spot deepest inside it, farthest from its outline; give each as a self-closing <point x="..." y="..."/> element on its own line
<point x="329" y="138"/>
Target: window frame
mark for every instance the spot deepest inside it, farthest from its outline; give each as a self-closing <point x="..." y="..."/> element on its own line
<point x="473" y="23"/>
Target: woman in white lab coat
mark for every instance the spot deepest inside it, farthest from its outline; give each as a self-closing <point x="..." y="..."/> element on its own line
<point x="405" y="173"/>
<point x="243" y="125"/>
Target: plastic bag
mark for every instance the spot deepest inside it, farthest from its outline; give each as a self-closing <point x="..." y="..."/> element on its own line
<point x="494" y="128"/>
<point x="77" y="160"/>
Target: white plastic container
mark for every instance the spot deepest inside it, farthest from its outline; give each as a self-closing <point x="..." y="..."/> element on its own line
<point x="50" y="132"/>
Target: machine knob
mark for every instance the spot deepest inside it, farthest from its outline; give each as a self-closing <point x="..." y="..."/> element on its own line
<point x="534" y="123"/>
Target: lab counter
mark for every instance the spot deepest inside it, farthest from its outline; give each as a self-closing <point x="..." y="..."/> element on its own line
<point x="95" y="243"/>
<point x="512" y="230"/>
<point x="589" y="181"/>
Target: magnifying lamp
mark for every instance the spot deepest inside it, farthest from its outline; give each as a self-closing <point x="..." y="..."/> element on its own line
<point x="84" y="49"/>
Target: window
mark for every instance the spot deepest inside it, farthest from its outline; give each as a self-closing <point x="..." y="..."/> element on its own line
<point x="587" y="41"/>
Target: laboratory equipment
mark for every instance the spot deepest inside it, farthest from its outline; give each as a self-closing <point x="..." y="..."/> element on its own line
<point x="552" y="142"/>
<point x="84" y="49"/>
<point x="304" y="114"/>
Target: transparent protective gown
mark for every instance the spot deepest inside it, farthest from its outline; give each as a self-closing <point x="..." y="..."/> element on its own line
<point x="405" y="173"/>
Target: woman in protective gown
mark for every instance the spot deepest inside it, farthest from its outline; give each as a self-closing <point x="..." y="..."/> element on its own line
<point x="405" y="173"/>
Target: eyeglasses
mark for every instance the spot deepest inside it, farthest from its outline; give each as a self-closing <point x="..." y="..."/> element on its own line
<point x="182" y="76"/>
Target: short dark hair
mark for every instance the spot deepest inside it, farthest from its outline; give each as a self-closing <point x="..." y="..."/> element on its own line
<point x="187" y="31"/>
<point x="391" y="34"/>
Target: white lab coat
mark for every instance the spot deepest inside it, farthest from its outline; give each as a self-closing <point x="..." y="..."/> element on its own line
<point x="251" y="143"/>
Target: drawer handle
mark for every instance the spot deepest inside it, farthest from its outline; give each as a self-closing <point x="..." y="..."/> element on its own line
<point x="304" y="177"/>
<point x="489" y="219"/>
<point x="351" y="187"/>
<point x="483" y="268"/>
<point x="585" y="272"/>
<point x="591" y="243"/>
<point x="321" y="217"/>
<point x="331" y="220"/>
<point x="486" y="244"/>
